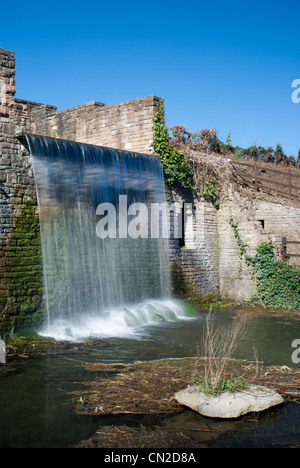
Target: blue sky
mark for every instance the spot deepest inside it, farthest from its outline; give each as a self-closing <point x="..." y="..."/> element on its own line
<point x="224" y="65"/>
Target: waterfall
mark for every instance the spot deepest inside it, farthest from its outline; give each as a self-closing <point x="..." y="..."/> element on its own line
<point x="97" y="285"/>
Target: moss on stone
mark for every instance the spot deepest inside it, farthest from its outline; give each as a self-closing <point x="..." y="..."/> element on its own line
<point x="22" y="272"/>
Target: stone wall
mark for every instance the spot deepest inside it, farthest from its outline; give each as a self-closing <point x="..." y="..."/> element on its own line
<point x="195" y="257"/>
<point x="258" y="221"/>
<point x="208" y="259"/>
<point x="7" y="83"/>
<point x="20" y="257"/>
<point x="126" y="126"/>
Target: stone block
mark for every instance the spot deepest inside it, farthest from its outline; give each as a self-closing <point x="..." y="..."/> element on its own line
<point x="2" y="175"/>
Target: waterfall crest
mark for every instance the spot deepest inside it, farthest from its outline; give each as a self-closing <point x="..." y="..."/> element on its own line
<point x="98" y="286"/>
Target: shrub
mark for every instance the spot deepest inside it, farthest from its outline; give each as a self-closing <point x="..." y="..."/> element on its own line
<point x="218" y="345"/>
<point x="278" y="284"/>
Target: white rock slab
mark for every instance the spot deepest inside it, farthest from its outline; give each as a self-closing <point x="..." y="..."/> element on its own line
<point x="229" y="405"/>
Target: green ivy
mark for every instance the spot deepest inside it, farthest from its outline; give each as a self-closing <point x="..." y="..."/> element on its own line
<point x="177" y="167"/>
<point x="210" y="191"/>
<point x="241" y="244"/>
<point x="278" y="284"/>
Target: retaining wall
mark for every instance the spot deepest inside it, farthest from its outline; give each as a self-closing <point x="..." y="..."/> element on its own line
<point x="208" y="260"/>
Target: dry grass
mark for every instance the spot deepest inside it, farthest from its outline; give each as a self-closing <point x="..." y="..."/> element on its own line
<point x="218" y="346"/>
<point x="137" y="437"/>
<point x="149" y="387"/>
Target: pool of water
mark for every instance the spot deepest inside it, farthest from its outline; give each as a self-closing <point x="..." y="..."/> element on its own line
<point x="36" y="412"/>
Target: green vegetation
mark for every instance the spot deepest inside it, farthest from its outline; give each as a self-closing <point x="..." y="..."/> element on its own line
<point x="259" y="153"/>
<point x="241" y="244"/>
<point x="210" y="191"/>
<point x="228" y="384"/>
<point x="27" y="334"/>
<point x="278" y="284"/>
<point x="27" y="341"/>
<point x="177" y="167"/>
<point x="23" y="274"/>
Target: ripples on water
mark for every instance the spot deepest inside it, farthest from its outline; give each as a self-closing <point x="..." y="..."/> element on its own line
<point x="36" y="412"/>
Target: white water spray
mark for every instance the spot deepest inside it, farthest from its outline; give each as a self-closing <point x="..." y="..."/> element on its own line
<point x="98" y="287"/>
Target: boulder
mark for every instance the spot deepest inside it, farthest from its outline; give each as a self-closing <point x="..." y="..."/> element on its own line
<point x="229" y="405"/>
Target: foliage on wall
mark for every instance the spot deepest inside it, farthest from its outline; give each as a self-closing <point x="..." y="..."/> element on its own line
<point x="177" y="167"/>
<point x="278" y="284"/>
<point x="23" y="269"/>
<point x="210" y="191"/>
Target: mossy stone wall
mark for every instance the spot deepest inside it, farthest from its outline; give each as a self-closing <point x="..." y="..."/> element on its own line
<point x="21" y="293"/>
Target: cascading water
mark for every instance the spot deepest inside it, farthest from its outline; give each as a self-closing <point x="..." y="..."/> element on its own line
<point x="98" y="286"/>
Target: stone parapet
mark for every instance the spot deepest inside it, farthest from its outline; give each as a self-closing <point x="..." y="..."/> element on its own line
<point x="125" y="126"/>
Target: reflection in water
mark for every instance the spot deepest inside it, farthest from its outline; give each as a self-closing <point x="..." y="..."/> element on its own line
<point x="263" y="430"/>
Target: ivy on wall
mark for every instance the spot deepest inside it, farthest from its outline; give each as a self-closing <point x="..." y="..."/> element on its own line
<point x="210" y="191"/>
<point x="177" y="167"/>
<point x="278" y="284"/>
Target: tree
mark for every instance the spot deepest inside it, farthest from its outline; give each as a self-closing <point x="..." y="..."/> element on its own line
<point x="279" y="155"/>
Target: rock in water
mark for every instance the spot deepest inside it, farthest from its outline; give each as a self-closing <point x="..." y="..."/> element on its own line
<point x="229" y="405"/>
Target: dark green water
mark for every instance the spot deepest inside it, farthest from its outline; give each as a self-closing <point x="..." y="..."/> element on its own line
<point x="35" y="412"/>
